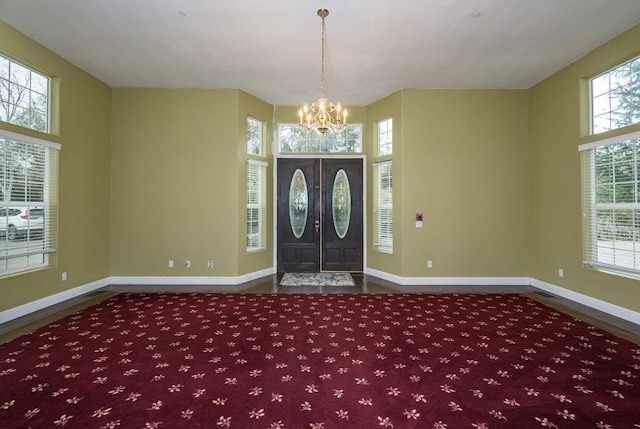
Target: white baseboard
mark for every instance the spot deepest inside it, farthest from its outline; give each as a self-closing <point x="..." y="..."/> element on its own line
<point x="190" y="280"/>
<point x="450" y="281"/>
<point x="31" y="307"/>
<point x="467" y="281"/>
<point x="382" y="275"/>
<point x="606" y="307"/>
<point x="39" y="304"/>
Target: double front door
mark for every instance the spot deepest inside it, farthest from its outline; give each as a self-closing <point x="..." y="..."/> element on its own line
<point x="320" y="211"/>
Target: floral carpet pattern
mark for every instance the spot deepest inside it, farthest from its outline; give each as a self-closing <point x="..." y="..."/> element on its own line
<point x="316" y="361"/>
<point x="317" y="279"/>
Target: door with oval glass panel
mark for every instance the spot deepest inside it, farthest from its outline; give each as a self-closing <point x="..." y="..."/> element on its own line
<point x="320" y="210"/>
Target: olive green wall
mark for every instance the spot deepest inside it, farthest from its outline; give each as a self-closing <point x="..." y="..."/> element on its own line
<point x="465" y="167"/>
<point x="148" y="175"/>
<point x="83" y="129"/>
<point x="460" y="157"/>
<point x="558" y="124"/>
<point x="175" y="186"/>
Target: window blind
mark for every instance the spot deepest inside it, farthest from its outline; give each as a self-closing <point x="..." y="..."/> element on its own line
<point x="611" y="203"/>
<point x="28" y="201"/>
<point x="256" y="204"/>
<point x="383" y="207"/>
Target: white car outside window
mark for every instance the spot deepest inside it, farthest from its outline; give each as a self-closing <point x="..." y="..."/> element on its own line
<point x="18" y="222"/>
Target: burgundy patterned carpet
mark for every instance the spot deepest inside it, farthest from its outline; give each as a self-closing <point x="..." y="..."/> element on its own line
<point x="319" y="362"/>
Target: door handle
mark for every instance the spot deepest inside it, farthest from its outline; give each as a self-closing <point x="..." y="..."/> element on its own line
<point x="317" y="225"/>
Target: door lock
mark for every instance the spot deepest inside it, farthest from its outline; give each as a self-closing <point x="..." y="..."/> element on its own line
<point x="317" y="225"/>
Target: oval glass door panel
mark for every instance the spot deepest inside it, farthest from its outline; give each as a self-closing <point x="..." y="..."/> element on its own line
<point x="298" y="203"/>
<point x="341" y="202"/>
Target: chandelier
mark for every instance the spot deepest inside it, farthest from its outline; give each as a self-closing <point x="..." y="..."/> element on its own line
<point x="323" y="115"/>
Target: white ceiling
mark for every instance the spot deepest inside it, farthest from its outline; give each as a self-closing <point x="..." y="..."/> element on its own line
<point x="272" y="49"/>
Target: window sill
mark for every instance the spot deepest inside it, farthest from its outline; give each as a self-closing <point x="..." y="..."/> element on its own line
<point x="612" y="271"/>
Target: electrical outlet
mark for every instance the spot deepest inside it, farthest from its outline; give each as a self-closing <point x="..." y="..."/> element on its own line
<point x="64" y="276"/>
<point x="210" y="263"/>
<point x="429" y="264"/>
<point x="560" y="272"/>
<point x="187" y="264"/>
<point x="170" y="263"/>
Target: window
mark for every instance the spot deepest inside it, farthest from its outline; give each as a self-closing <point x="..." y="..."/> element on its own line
<point x="385" y="137"/>
<point x="28" y="201"/>
<point x="256" y="205"/>
<point x="614" y="98"/>
<point x="611" y="203"/>
<point x="292" y="139"/>
<point x="254" y="137"/>
<point x="24" y="96"/>
<point x="383" y="207"/>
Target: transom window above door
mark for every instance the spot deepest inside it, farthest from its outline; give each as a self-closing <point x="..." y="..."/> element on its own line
<point x="292" y="139"/>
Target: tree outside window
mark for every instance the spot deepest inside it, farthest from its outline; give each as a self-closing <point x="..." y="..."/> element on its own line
<point x="24" y="96"/>
<point x="615" y="98"/>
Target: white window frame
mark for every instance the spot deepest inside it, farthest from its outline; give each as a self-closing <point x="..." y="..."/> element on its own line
<point x="383" y="208"/>
<point x="30" y="253"/>
<point x="385" y="137"/>
<point x="18" y="86"/>
<point x="314" y="142"/>
<point x="604" y="98"/>
<point x="256" y="241"/>
<point x="255" y="140"/>
<point x="612" y="247"/>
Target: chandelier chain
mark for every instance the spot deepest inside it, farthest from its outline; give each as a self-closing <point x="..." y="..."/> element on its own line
<point x="323" y="34"/>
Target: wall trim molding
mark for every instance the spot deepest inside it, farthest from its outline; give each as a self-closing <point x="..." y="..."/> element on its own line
<point x="48" y="301"/>
<point x="606" y="307"/>
<point x="57" y="298"/>
<point x="450" y="281"/>
<point x="40" y="304"/>
<point x="189" y="280"/>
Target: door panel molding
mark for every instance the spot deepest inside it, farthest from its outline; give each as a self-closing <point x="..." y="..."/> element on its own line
<point x="298" y="254"/>
<point x="342" y="254"/>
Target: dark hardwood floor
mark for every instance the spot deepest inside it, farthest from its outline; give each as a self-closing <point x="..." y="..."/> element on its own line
<point x="363" y="284"/>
